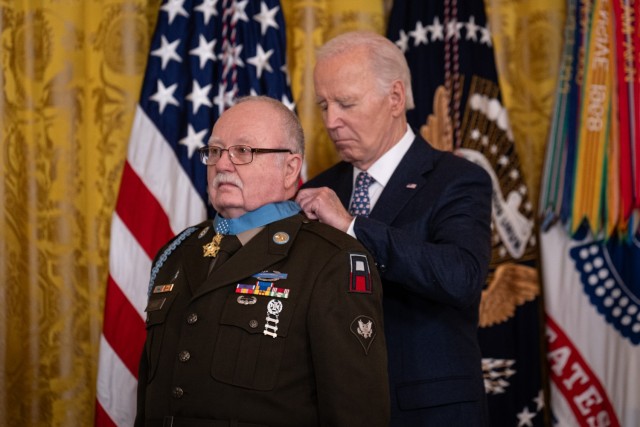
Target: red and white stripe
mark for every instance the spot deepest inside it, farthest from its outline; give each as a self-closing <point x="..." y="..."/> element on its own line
<point x="156" y="201"/>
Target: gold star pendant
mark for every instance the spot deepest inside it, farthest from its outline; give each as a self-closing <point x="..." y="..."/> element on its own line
<point x="211" y="249"/>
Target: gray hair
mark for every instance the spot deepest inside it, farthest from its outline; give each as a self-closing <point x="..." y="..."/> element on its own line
<point x="292" y="127"/>
<point x="386" y="60"/>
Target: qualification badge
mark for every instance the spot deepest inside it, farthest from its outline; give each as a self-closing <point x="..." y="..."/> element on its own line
<point x="212" y="248"/>
<point x="273" y="311"/>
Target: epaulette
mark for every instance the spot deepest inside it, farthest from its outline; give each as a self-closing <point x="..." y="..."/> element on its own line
<point x="330" y="234"/>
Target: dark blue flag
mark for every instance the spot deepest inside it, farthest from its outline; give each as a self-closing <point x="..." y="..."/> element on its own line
<point x="448" y="46"/>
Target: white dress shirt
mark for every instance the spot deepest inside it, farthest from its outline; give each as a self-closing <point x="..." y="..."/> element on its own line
<point x="382" y="170"/>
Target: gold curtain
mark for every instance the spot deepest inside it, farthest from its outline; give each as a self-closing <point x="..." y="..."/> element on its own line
<point x="528" y="38"/>
<point x="71" y="73"/>
<point x="70" y="80"/>
<point x="310" y="23"/>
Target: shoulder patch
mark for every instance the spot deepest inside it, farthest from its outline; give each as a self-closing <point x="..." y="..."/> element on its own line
<point x="360" y="274"/>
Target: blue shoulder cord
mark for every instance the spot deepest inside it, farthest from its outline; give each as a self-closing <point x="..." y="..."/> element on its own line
<point x="158" y="265"/>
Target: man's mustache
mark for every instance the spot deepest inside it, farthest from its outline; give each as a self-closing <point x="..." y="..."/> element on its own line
<point x="227" y="178"/>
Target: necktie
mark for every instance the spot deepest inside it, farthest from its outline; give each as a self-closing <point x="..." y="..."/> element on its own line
<point x="229" y="245"/>
<point x="360" y="203"/>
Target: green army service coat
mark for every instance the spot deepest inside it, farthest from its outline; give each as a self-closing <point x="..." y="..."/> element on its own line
<point x="314" y="358"/>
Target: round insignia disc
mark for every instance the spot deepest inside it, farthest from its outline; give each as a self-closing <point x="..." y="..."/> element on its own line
<point x="281" y="237"/>
<point x="274" y="307"/>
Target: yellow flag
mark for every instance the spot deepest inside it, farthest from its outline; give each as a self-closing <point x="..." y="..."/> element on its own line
<point x="527" y="38"/>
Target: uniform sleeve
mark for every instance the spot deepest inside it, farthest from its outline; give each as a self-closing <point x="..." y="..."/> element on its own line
<point x="347" y="343"/>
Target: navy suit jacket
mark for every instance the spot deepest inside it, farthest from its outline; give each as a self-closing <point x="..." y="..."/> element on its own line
<point x="429" y="233"/>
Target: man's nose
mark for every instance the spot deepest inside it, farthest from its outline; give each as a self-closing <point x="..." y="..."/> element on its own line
<point x="224" y="162"/>
<point x="332" y="117"/>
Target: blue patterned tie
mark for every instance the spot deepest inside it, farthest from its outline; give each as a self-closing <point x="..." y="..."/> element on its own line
<point x="360" y="203"/>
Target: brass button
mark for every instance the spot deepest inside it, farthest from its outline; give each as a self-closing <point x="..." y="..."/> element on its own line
<point x="192" y="318"/>
<point x="177" y="392"/>
<point x="184" y="356"/>
<point x="253" y="324"/>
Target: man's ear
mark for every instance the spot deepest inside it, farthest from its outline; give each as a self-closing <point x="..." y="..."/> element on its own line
<point x="397" y="98"/>
<point x="292" y="170"/>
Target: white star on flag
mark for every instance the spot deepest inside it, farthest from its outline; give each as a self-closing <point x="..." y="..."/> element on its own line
<point x="199" y="96"/>
<point x="194" y="139"/>
<point x="419" y="34"/>
<point x="205" y="50"/>
<point x="239" y="13"/>
<point x="164" y="95"/>
<point x="208" y="9"/>
<point x="167" y="51"/>
<point x="266" y="18"/>
<point x="174" y="8"/>
<point x="261" y="61"/>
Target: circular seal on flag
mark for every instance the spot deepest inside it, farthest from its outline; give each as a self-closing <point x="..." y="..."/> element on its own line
<point x="606" y="277"/>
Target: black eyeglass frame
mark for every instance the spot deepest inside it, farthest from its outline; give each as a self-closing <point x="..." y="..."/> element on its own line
<point x="205" y="151"/>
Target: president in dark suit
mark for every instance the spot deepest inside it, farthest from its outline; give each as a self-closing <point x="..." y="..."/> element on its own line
<point x="422" y="213"/>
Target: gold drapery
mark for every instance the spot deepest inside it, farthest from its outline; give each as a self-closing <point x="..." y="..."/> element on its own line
<point x="70" y="81"/>
<point x="310" y="23"/>
<point x="71" y="74"/>
<point x="528" y="37"/>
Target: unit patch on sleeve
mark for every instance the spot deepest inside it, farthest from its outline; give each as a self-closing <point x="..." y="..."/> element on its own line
<point x="360" y="276"/>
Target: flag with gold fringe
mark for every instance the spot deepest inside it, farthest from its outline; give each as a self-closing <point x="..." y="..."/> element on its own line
<point x="448" y="46"/>
<point x="590" y="247"/>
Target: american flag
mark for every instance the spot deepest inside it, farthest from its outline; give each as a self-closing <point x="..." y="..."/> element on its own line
<point x="204" y="54"/>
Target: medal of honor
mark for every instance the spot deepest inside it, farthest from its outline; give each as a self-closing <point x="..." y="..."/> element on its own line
<point x="211" y="249"/>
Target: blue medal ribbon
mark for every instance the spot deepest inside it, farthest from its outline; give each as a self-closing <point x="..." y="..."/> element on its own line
<point x="262" y="216"/>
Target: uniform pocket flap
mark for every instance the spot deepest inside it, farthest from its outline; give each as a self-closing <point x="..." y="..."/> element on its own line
<point x="258" y="314"/>
<point x="158" y="307"/>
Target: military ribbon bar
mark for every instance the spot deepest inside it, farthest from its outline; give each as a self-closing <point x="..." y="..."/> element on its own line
<point x="263" y="289"/>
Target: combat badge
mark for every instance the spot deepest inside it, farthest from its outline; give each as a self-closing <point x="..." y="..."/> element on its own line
<point x="270" y="276"/>
<point x="360" y="275"/>
<point x="364" y="330"/>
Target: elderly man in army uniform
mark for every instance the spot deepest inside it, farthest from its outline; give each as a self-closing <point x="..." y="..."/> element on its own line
<point x="262" y="317"/>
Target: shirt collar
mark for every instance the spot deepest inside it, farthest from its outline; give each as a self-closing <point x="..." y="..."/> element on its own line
<point x="384" y="167"/>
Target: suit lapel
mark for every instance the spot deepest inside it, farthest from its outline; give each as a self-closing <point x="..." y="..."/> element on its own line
<point x="256" y="256"/>
<point x="405" y="182"/>
<point x="343" y="185"/>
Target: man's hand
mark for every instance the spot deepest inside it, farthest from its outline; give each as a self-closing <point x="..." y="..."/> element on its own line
<point x="324" y="205"/>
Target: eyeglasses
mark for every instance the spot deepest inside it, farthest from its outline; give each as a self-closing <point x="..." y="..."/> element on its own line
<point x="238" y="154"/>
